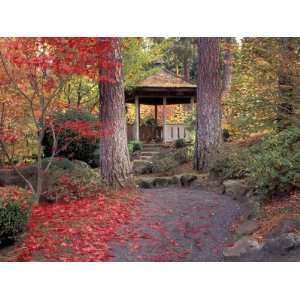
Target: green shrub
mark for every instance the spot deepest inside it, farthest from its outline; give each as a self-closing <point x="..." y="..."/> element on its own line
<point x="233" y="164"/>
<point x="164" y="162"/>
<point x="15" y="210"/>
<point x="180" y="143"/>
<point x="134" y="146"/>
<point x="71" y="144"/>
<point x="69" y="180"/>
<point x="269" y="167"/>
<point x="275" y="163"/>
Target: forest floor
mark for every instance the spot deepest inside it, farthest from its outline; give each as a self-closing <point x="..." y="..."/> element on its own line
<point x="177" y="224"/>
<point x="165" y="224"/>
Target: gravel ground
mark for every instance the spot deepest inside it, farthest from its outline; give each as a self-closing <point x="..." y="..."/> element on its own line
<point x="177" y="224"/>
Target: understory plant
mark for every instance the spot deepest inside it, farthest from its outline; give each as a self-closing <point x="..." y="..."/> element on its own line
<point x="15" y="208"/>
<point x="70" y="180"/>
<point x="134" y="146"/>
<point x="73" y="142"/>
<point x="166" y="161"/>
<point x="270" y="167"/>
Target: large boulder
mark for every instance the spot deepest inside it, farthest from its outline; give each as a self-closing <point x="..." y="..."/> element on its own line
<point x="187" y="179"/>
<point x="11" y="177"/>
<point x="236" y="188"/>
<point x="80" y="173"/>
<point x="283" y="245"/>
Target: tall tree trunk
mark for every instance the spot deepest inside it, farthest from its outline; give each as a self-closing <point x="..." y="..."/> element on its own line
<point x="209" y="131"/>
<point x="287" y="95"/>
<point x="227" y="66"/>
<point x="115" y="166"/>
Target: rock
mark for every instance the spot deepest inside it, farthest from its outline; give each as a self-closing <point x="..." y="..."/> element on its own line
<point x="142" y="167"/>
<point x="81" y="164"/>
<point x="235" y="188"/>
<point x="252" y="209"/>
<point x="161" y="181"/>
<point x="243" y="247"/>
<point x="247" y="228"/>
<point x="285" y="226"/>
<point x="145" y="183"/>
<point x="175" y="180"/>
<point x="281" y="245"/>
<point x="187" y="179"/>
<point x="11" y="177"/>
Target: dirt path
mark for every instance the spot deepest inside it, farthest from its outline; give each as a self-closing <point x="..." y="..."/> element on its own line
<point x="177" y="224"/>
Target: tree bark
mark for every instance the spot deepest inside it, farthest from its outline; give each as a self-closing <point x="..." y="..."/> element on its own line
<point x="115" y="166"/>
<point x="227" y="66"/>
<point x="286" y="89"/>
<point x="208" y="123"/>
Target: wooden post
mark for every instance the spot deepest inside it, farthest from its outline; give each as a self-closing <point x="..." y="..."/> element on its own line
<point x="155" y="114"/>
<point x="137" y="118"/>
<point x="193" y="104"/>
<point x="164" y="119"/>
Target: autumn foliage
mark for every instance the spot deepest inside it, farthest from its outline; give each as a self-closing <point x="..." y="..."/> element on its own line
<point x="75" y="231"/>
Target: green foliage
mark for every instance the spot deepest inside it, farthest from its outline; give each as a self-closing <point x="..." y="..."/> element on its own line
<point x="134" y="146"/>
<point x="232" y="164"/>
<point x="74" y="114"/>
<point x="180" y="143"/>
<point x="79" y="91"/>
<point x="270" y="167"/>
<point x="265" y="78"/>
<point x="69" y="143"/>
<point x="139" y="56"/>
<point x="14" y="215"/>
<point x="179" y="55"/>
<point x="275" y="166"/>
<point x="164" y="162"/>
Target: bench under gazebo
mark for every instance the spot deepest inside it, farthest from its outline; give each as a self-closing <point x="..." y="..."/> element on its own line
<point x="161" y="88"/>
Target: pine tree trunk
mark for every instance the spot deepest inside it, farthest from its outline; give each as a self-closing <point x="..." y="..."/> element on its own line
<point x="209" y="131"/>
<point x="227" y="67"/>
<point x="115" y="166"/>
<point x="286" y="89"/>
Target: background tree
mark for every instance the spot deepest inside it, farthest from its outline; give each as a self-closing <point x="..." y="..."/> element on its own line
<point x="209" y="131"/>
<point x="115" y="167"/>
<point x="36" y="70"/>
<point x="264" y="94"/>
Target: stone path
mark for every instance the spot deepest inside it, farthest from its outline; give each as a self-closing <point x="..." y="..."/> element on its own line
<point x="177" y="224"/>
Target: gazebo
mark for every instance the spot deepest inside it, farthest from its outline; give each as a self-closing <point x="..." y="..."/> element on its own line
<point x="161" y="88"/>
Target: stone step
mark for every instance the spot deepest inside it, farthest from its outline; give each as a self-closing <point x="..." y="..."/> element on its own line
<point x="151" y="149"/>
<point x="146" y="157"/>
<point x="157" y="146"/>
<point x="148" y="153"/>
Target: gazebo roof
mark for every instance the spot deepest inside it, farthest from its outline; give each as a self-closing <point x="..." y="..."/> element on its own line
<point x="162" y="84"/>
<point x="165" y="79"/>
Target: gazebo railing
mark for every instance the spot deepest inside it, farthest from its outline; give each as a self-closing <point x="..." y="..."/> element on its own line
<point x="149" y="133"/>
